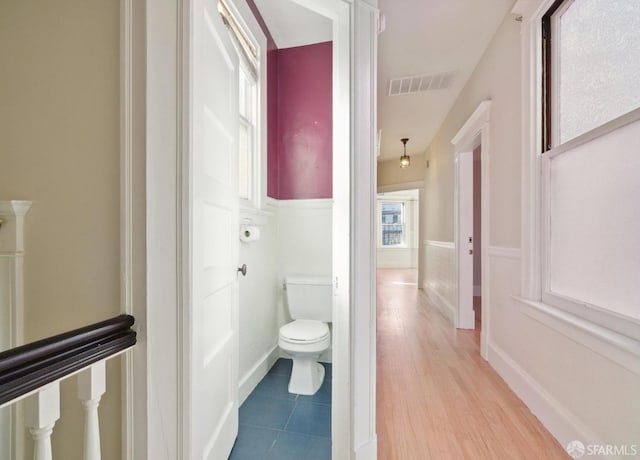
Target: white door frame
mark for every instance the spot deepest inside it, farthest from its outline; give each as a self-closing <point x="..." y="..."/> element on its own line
<point x="153" y="61"/>
<point x="475" y="131"/>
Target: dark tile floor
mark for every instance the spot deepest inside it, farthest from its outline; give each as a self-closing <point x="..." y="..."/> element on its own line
<point x="278" y="425"/>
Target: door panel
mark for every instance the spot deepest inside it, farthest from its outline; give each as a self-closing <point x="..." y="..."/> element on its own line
<point x="213" y="382"/>
<point x="466" y="317"/>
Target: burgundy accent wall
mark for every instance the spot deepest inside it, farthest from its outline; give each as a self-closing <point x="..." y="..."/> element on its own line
<point x="272" y="123"/>
<point x="304" y="122"/>
<point x="299" y="118"/>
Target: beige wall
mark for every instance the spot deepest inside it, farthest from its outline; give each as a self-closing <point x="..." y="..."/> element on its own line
<point x="59" y="147"/>
<point x="567" y="384"/>
<point x="497" y="77"/>
<point x="390" y="172"/>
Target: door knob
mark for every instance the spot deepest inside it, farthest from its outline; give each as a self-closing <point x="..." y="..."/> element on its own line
<point x="243" y="269"/>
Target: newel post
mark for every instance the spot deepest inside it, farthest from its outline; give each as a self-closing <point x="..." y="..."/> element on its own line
<point x="91" y="387"/>
<point x="42" y="409"/>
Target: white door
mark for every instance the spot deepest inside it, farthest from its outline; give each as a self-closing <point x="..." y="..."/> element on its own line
<point x="211" y="413"/>
<point x="466" y="317"/>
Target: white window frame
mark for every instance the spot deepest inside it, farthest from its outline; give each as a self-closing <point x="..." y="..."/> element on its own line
<point x="608" y="333"/>
<point x="251" y="122"/>
<point x="403" y="243"/>
<point x="254" y="209"/>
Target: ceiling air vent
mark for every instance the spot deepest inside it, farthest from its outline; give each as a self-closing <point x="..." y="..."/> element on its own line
<point x="420" y="83"/>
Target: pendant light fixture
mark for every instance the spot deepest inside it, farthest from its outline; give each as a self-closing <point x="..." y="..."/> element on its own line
<point x="405" y="160"/>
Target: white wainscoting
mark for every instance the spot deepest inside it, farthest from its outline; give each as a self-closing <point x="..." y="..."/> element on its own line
<point x="304" y="244"/>
<point x="397" y="257"/>
<point x="560" y="422"/>
<point x="258" y="300"/>
<point x="295" y="239"/>
<point x="440" y="282"/>
<point x="518" y="362"/>
<point x="304" y="237"/>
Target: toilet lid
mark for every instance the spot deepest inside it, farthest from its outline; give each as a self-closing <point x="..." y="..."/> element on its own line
<point x="304" y="330"/>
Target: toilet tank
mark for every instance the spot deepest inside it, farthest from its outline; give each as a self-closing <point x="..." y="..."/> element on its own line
<point x="310" y="297"/>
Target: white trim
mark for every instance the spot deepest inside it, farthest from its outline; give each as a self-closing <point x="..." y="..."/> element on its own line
<point x="361" y="164"/>
<point x="440" y="302"/>
<point x="466" y="135"/>
<point x="164" y="53"/>
<point x="504" y="252"/>
<point x="531" y="143"/>
<point x="476" y="131"/>
<point x="12" y="248"/>
<point x="530" y="8"/>
<point x="132" y="422"/>
<point x="251" y="379"/>
<point x="16" y="208"/>
<point x="320" y="203"/>
<point x="419" y="184"/>
<point x="254" y="216"/>
<point x="368" y="450"/>
<point x="561" y="423"/>
<point x="595" y="133"/>
<point x="248" y="22"/>
<point x="622" y="349"/>
<point x="270" y="203"/>
<point x="441" y="244"/>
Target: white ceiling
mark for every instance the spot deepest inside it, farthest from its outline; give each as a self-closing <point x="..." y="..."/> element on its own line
<point x="428" y="37"/>
<point x="293" y="25"/>
<point x="421" y="37"/>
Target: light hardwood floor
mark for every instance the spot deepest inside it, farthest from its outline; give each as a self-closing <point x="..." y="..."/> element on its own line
<point x="437" y="398"/>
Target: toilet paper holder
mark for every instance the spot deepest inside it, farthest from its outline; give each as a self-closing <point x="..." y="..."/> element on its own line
<point x="249" y="233"/>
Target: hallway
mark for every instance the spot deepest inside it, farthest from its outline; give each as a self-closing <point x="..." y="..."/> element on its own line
<point x="437" y="398"/>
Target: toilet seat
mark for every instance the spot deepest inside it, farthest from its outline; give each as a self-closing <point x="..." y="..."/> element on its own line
<point x="304" y="331"/>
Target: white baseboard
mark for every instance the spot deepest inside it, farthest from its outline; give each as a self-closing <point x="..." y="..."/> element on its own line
<point x="477" y="291"/>
<point x="251" y="379"/>
<point x="483" y="338"/>
<point x="443" y="305"/>
<point x="367" y="451"/>
<point x="562" y="424"/>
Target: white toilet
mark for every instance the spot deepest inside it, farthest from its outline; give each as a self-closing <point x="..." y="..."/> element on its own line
<point x="310" y="302"/>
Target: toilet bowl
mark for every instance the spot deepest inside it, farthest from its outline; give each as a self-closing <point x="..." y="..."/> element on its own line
<point x="309" y="300"/>
<point x="305" y="340"/>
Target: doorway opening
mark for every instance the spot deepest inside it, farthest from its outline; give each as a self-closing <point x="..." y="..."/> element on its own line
<point x="471" y="231"/>
<point x="398" y="218"/>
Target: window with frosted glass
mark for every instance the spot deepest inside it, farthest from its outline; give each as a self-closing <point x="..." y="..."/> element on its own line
<point x="592" y="65"/>
<point x="392" y="223"/>
<point x="590" y="177"/>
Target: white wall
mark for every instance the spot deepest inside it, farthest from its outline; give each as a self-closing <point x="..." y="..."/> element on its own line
<point x="295" y="238"/>
<point x="304" y="237"/>
<point x="304" y="244"/>
<point x="574" y="389"/>
<point x="258" y="304"/>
